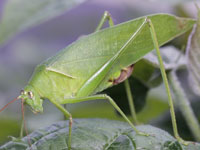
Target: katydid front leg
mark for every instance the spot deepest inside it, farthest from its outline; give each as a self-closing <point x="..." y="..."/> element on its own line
<point x="67" y="115"/>
<point x="104" y="97"/>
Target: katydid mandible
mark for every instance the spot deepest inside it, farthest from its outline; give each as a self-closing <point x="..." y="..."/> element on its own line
<point x="69" y="76"/>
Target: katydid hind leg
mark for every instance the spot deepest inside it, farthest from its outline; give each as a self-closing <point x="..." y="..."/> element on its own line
<point x="69" y="116"/>
<point x="106" y="16"/>
<point x="165" y="80"/>
<point x="104" y="97"/>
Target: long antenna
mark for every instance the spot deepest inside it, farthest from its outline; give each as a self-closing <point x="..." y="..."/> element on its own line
<point x="22" y="107"/>
<point x="9" y="104"/>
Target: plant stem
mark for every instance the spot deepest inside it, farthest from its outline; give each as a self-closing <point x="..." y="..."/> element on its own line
<point x="184" y="105"/>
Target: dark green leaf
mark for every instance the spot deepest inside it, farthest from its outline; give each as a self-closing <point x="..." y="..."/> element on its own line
<point x="99" y="134"/>
<point x="171" y="145"/>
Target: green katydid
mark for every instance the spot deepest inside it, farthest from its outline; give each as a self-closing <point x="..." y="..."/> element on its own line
<point x="90" y="65"/>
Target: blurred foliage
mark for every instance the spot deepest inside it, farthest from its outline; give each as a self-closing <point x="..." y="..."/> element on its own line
<point x="17" y="18"/>
<point x="10" y="127"/>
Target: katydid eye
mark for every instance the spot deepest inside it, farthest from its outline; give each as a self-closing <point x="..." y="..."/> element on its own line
<point x="30" y="94"/>
<point x="22" y="92"/>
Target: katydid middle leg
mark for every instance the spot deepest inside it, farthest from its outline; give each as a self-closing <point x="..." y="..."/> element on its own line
<point x="104" y="97"/>
<point x="131" y="102"/>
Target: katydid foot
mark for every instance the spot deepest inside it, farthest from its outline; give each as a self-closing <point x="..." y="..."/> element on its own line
<point x="181" y="141"/>
<point x="70" y="132"/>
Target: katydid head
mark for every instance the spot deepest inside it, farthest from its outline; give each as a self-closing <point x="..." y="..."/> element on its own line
<point x="32" y="98"/>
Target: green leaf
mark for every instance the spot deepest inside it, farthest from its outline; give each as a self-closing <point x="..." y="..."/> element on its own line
<point x="193" y="55"/>
<point x="19" y="15"/>
<point x="99" y="134"/>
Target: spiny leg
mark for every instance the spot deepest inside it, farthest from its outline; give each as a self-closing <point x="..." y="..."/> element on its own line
<point x="106" y="16"/>
<point x="164" y="76"/>
<point x="106" y="97"/>
<point x="67" y="115"/>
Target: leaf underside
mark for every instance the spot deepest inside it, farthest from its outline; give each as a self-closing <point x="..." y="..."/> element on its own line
<point x="99" y="134"/>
